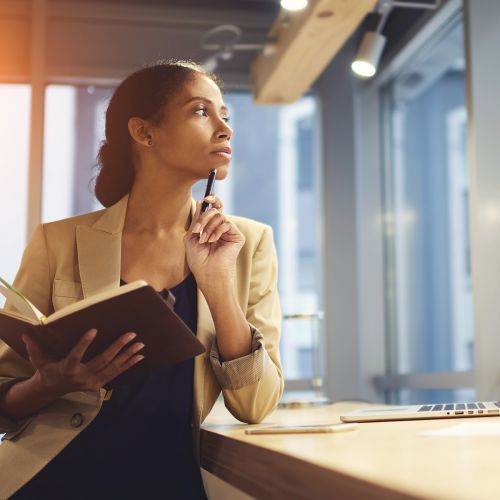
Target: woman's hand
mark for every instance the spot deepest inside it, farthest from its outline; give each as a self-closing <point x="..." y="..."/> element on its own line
<point x="212" y="244"/>
<point x="70" y="374"/>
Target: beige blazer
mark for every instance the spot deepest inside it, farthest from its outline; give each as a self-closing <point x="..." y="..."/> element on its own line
<point x="74" y="258"/>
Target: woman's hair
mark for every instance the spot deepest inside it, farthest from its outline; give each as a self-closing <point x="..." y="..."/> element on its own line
<point x="143" y="94"/>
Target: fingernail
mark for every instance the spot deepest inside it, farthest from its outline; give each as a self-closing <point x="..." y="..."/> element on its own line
<point x="140" y="346"/>
<point x="131" y="336"/>
<point x="196" y="227"/>
<point x="141" y="358"/>
<point x="212" y="239"/>
<point x="203" y="238"/>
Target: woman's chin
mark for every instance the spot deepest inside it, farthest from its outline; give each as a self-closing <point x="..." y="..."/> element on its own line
<point x="222" y="172"/>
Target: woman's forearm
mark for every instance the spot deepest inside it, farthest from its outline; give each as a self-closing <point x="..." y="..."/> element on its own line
<point x="234" y="337"/>
<point x="25" y="398"/>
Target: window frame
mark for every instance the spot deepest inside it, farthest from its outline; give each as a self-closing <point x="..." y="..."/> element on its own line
<point x="374" y="137"/>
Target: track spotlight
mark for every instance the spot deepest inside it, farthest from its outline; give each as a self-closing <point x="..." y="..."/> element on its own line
<point x="372" y="45"/>
<point x="366" y="62"/>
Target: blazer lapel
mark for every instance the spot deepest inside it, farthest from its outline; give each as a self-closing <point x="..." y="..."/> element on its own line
<point x="205" y="332"/>
<point x="99" y="250"/>
<point x="205" y="329"/>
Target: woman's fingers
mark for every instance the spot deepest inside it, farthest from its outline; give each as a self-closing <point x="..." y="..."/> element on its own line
<point x="200" y="219"/>
<point x="212" y="226"/>
<point x="215" y="201"/>
<point x="212" y="220"/>
<point x="99" y="362"/>
<point x="36" y="355"/>
<point x="219" y="231"/>
<point x="76" y="354"/>
<point x="71" y="374"/>
<point x="116" y="368"/>
<point x="123" y="357"/>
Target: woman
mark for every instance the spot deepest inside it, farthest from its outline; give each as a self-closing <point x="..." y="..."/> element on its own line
<point x="166" y="128"/>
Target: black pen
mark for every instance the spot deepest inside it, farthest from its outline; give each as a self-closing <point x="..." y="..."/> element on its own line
<point x="209" y="189"/>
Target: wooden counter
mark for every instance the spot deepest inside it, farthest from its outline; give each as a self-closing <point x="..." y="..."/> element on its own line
<point x="382" y="460"/>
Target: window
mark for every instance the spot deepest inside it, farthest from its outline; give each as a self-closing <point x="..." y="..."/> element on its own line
<point x="14" y="129"/>
<point x="428" y="280"/>
<point x="74" y="129"/>
<point x="273" y="179"/>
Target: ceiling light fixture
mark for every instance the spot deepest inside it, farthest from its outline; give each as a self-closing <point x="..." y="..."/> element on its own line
<point x="294" y="4"/>
<point x="365" y="63"/>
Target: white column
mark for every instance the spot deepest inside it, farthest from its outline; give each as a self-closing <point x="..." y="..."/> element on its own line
<point x="37" y="78"/>
<point x="482" y="39"/>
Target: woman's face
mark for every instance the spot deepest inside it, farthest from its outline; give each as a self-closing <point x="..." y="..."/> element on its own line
<point x="194" y="134"/>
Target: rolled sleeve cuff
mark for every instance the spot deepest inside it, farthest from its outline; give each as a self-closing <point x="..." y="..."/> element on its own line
<point x="240" y="372"/>
<point x="8" y="424"/>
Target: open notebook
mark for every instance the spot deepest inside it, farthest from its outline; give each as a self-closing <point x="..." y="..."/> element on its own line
<point x="135" y="307"/>
<point x="414" y="412"/>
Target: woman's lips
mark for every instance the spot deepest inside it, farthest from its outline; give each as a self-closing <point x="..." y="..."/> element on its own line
<point x="224" y="154"/>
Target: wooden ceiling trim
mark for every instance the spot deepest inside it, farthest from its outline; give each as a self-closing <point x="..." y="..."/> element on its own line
<point x="306" y="43"/>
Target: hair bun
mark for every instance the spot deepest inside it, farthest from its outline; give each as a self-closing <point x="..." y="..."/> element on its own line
<point x="116" y="174"/>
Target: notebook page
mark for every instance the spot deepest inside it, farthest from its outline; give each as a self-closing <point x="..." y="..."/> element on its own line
<point x="94" y="299"/>
<point x="19" y="301"/>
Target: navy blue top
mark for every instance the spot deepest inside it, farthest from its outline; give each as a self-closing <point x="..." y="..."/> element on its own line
<point x="140" y="444"/>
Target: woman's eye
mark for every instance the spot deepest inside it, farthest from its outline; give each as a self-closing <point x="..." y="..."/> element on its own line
<point x="204" y="112"/>
<point x="201" y="111"/>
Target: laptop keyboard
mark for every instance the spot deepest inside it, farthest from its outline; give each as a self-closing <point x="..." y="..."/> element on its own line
<point x="460" y="408"/>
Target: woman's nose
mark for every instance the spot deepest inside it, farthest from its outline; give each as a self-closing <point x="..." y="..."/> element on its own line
<point x="225" y="132"/>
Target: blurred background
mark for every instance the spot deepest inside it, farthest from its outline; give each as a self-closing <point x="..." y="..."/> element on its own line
<point x="382" y="192"/>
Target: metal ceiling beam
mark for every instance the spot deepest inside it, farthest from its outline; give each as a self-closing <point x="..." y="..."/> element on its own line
<point x="201" y="17"/>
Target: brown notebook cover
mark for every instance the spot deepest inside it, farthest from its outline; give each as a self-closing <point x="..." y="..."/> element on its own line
<point x="167" y="338"/>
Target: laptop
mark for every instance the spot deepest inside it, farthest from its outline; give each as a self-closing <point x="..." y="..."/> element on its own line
<point x="415" y="412"/>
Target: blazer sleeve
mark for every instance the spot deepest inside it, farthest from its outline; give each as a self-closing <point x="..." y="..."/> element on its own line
<point x="252" y="385"/>
<point x="33" y="281"/>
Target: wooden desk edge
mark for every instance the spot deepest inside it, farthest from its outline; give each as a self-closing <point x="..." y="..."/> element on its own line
<point x="265" y="473"/>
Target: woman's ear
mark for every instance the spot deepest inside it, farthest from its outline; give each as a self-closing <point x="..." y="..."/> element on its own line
<point x="140" y="131"/>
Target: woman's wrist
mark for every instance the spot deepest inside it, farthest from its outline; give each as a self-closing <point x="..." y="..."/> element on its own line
<point x="42" y="387"/>
<point x="233" y="333"/>
<point x="216" y="285"/>
<point x="26" y="397"/>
